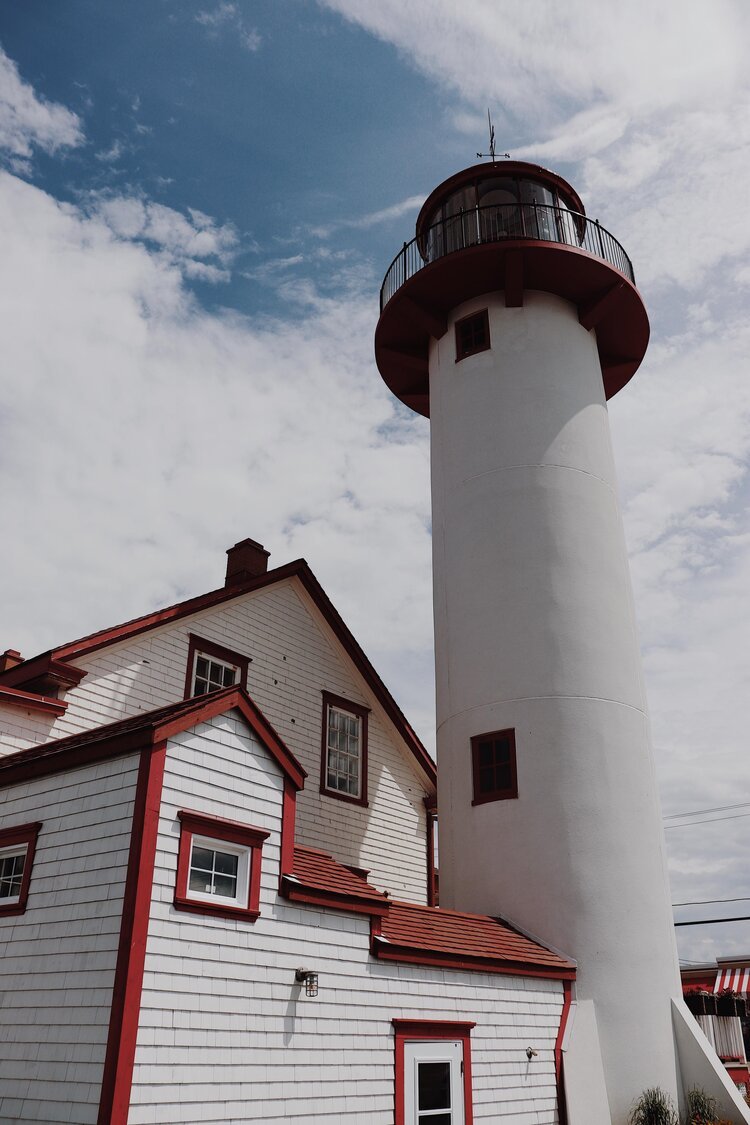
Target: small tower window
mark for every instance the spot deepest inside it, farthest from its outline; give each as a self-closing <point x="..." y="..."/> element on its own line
<point x="494" y="766"/>
<point x="472" y="335"/>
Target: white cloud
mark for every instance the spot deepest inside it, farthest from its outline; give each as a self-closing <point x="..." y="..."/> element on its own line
<point x="373" y="218"/>
<point x="143" y="436"/>
<point x="227" y="15"/>
<point x="28" y="121"/>
<point x="185" y="241"/>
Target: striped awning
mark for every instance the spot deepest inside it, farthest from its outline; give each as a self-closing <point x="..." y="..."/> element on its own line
<point x="738" y="980"/>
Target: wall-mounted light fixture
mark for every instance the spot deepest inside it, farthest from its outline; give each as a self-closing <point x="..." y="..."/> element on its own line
<point x="310" y="980"/>
<point x="531" y="1053"/>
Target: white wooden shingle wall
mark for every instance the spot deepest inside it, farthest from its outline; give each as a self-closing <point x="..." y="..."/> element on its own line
<point x="21" y="728"/>
<point x="293" y="660"/>
<point x="227" y="1036"/>
<point x="57" y="960"/>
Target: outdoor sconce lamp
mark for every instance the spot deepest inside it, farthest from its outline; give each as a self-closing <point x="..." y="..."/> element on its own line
<point x="309" y="979"/>
<point x="531" y="1053"/>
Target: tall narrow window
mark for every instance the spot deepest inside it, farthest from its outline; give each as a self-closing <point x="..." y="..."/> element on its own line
<point x="212" y="667"/>
<point x="433" y="1073"/>
<point x="472" y="334"/>
<point x="343" y="766"/>
<point x="493" y="759"/>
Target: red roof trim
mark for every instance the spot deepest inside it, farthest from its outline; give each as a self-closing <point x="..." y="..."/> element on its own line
<point x="389" y="951"/>
<point x="30" y="701"/>
<point x="45" y="671"/>
<point x="318" y="879"/>
<point x="297" y="569"/>
<point x="130" y="735"/>
<point x="352" y="904"/>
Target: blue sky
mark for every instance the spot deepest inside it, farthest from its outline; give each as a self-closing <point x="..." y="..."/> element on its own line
<point x="198" y="201"/>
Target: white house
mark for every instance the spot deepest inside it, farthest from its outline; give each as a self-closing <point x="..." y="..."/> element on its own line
<point x="216" y="887"/>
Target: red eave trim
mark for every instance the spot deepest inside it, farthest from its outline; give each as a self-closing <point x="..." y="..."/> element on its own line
<point x="389" y="951"/>
<point x="27" y="764"/>
<point x="30" y="701"/>
<point x="49" y="664"/>
<point x="131" y="734"/>
<point x="333" y="900"/>
<point x="138" y="625"/>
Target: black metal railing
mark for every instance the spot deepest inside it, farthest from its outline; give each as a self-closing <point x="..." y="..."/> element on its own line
<point x="499" y="223"/>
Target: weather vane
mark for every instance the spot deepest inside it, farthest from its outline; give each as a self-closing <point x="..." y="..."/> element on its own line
<point x="491" y="153"/>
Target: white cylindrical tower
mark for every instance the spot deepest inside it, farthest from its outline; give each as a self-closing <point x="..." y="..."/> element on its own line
<point x="510" y="320"/>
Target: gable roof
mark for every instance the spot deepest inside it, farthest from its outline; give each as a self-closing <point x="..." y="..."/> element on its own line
<point x="148" y="728"/>
<point x="65" y="655"/>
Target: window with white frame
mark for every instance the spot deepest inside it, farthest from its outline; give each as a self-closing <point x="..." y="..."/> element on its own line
<point x="12" y="866"/>
<point x="212" y="667"/>
<point x="218" y="866"/>
<point x="219" y="871"/>
<point x="211" y="674"/>
<point x="17" y="848"/>
<point x="344" y="759"/>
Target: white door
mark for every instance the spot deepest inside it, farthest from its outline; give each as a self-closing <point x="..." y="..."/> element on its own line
<point x="433" y="1083"/>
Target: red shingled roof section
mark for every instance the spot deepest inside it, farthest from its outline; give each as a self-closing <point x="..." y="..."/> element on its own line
<point x="320" y="871"/>
<point x="474" y="937"/>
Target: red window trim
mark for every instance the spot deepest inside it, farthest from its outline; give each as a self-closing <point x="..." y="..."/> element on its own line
<point x="20" y="834"/>
<point x="341" y="704"/>
<point x="497" y="794"/>
<point x="210" y="648"/>
<point x="228" y="831"/>
<point x="415" y="1031"/>
<point x="433" y="890"/>
<point x="474" y="351"/>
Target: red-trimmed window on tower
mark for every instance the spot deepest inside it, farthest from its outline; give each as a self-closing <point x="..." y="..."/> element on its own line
<point x="343" y="763"/>
<point x="493" y="760"/>
<point x="472" y="334"/>
<point x="211" y="667"/>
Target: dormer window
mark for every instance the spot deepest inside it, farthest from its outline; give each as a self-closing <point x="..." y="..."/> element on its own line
<point x="343" y="767"/>
<point x="212" y="667"/>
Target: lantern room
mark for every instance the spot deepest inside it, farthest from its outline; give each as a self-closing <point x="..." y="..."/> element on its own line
<point x="507" y="227"/>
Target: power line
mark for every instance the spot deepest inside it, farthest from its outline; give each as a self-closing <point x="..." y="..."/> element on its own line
<point x="699" y="812"/>
<point x="714" y="921"/>
<point x="711" y="820"/>
<point x="710" y="901"/>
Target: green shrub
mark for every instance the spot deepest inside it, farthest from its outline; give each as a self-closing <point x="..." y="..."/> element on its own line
<point x="702" y="1108"/>
<point x="654" y="1107"/>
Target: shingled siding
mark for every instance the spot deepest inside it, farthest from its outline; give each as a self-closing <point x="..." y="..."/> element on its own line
<point x="57" y="960"/>
<point x="294" y="658"/>
<point x="227" y="1036"/>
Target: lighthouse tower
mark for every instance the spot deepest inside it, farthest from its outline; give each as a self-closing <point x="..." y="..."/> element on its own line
<point x="509" y="320"/>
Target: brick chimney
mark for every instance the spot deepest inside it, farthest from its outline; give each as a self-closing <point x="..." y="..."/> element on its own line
<point x="245" y="560"/>
<point x="9" y="659"/>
